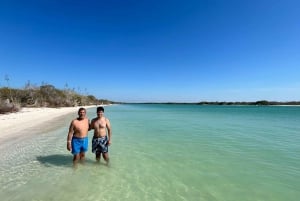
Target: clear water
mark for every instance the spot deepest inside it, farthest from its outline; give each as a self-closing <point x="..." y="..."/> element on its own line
<point x="166" y="153"/>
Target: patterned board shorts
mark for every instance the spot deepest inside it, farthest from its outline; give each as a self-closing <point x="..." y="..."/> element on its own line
<point x="100" y="145"/>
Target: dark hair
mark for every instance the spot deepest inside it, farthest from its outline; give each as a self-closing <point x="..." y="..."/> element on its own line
<point x="100" y="109"/>
<point x="81" y="109"/>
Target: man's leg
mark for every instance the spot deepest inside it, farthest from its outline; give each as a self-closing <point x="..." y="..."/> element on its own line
<point x="98" y="156"/>
<point x="82" y="156"/>
<point x="105" y="156"/>
<point x="76" y="158"/>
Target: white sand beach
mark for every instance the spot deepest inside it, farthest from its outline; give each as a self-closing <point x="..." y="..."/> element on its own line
<point x="12" y="124"/>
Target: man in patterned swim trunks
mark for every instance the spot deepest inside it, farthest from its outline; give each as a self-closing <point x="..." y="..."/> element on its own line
<point x="77" y="140"/>
<point x="101" y="139"/>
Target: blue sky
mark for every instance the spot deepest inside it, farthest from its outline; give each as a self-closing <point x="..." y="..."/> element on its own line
<point x="154" y="51"/>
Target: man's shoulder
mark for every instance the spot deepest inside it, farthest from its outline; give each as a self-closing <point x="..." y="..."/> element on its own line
<point x="77" y="119"/>
<point x="94" y="119"/>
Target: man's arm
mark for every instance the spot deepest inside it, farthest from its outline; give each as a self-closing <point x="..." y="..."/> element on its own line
<point x="91" y="124"/>
<point x="109" y="132"/>
<point x="69" y="137"/>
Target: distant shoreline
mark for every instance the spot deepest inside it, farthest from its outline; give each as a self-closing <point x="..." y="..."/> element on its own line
<point x="257" y="103"/>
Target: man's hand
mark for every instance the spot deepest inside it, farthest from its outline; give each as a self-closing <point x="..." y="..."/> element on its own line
<point x="69" y="146"/>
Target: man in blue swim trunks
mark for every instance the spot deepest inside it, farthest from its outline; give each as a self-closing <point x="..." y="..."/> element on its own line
<point x="77" y="140"/>
<point x="101" y="139"/>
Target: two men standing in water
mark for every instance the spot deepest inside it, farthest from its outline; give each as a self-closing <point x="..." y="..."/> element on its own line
<point x="77" y="140"/>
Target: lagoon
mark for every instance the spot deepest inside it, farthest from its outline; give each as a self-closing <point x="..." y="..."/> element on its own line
<point x="164" y="152"/>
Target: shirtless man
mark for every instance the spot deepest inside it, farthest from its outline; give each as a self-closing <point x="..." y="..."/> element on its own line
<point x="101" y="138"/>
<point x="77" y="140"/>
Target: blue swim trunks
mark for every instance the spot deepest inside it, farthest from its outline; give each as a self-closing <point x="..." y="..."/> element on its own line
<point x="100" y="145"/>
<point x="79" y="145"/>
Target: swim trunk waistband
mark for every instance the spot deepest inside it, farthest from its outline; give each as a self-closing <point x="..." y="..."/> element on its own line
<point x="78" y="138"/>
<point x="100" y="137"/>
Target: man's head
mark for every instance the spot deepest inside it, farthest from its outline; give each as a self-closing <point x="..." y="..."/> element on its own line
<point x="81" y="113"/>
<point x="100" y="109"/>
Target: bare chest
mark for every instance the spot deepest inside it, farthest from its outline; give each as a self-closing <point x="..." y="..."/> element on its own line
<point x="101" y="123"/>
<point x="81" y="125"/>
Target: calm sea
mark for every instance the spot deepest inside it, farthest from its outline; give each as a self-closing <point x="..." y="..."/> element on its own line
<point x="163" y="153"/>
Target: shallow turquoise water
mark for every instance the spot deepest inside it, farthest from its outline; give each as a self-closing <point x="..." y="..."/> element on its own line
<point x="164" y="152"/>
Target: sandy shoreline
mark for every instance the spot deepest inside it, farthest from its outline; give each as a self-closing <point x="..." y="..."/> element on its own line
<point x="12" y="124"/>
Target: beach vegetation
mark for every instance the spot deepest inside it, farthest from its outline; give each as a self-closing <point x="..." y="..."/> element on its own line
<point x="46" y="95"/>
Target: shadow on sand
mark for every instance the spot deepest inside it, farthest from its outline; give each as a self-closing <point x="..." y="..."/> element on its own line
<point x="60" y="160"/>
<point x="56" y="159"/>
